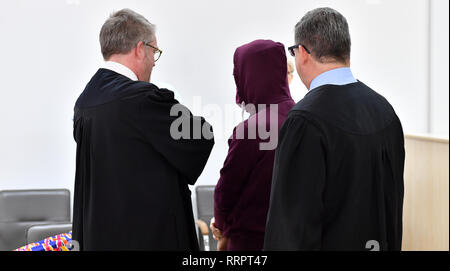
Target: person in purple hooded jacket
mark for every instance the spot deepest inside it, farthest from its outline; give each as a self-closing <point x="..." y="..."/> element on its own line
<point x="242" y="194"/>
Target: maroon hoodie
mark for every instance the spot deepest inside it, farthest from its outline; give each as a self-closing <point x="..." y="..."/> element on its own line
<point x="242" y="194"/>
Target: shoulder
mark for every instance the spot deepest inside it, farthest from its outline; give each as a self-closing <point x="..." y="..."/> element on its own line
<point x="353" y="108"/>
<point x="107" y="86"/>
<point x="155" y="98"/>
<point x="334" y="97"/>
<point x="159" y="94"/>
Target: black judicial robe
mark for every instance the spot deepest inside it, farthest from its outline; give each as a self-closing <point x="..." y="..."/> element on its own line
<point x="131" y="183"/>
<point x="338" y="173"/>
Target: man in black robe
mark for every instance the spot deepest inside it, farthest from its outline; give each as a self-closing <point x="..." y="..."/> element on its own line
<point x="338" y="170"/>
<point x="132" y="172"/>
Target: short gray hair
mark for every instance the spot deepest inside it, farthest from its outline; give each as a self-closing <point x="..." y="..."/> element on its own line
<point x="325" y="33"/>
<point x="123" y="30"/>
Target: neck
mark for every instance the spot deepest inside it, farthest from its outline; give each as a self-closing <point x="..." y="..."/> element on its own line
<point x="321" y="68"/>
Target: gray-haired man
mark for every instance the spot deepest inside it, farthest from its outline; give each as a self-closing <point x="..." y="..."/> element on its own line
<point x="132" y="176"/>
<point x="338" y="173"/>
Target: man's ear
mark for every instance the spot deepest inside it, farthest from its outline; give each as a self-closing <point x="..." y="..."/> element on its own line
<point x="304" y="56"/>
<point x="139" y="51"/>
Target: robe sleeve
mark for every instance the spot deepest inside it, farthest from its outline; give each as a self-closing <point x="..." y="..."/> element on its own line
<point x="187" y="155"/>
<point x="240" y="161"/>
<point x="294" y="219"/>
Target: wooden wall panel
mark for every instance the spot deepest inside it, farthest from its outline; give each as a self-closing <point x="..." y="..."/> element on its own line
<point x="426" y="204"/>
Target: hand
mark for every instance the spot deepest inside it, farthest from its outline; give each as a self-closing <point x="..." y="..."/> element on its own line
<point x="222" y="245"/>
<point x="217" y="234"/>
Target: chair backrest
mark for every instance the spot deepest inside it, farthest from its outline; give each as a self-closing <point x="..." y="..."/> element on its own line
<point x="205" y="210"/>
<point x="38" y="233"/>
<point x="21" y="209"/>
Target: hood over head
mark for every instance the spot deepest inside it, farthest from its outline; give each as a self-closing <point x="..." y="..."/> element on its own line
<point x="260" y="73"/>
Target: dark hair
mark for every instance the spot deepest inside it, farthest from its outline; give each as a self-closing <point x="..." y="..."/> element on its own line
<point x="324" y="31"/>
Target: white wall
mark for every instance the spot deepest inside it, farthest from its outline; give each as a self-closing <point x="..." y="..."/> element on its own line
<point x="439" y="67"/>
<point x="50" y="50"/>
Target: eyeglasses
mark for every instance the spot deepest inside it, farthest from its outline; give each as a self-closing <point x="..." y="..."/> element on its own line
<point x="291" y="49"/>
<point x="157" y="53"/>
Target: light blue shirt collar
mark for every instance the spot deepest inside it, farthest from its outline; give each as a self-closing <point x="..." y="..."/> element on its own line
<point x="339" y="76"/>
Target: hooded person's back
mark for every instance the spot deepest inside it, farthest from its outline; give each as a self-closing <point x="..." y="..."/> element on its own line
<point x="242" y="194"/>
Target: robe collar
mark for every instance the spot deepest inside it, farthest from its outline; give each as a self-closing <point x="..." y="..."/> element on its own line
<point x="120" y="69"/>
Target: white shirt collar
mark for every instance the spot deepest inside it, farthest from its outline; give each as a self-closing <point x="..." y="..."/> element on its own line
<point x="120" y="69"/>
